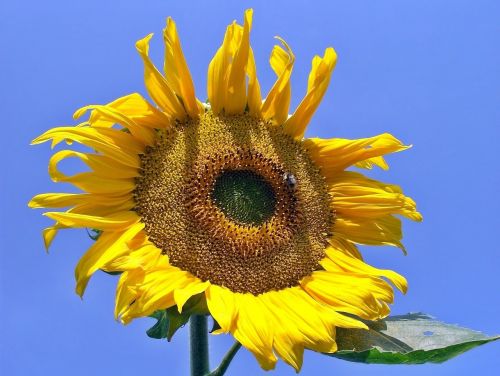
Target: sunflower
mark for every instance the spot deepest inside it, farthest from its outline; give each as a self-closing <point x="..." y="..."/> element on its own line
<point x="228" y="201"/>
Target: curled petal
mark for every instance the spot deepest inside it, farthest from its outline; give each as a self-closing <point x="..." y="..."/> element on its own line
<point x="157" y="85"/>
<point x="276" y="105"/>
<point x="319" y="79"/>
<point x="228" y="69"/>
<point x="336" y="154"/>
<point x="354" y="195"/>
<point x="177" y="71"/>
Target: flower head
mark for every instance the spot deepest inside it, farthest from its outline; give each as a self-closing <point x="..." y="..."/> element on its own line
<point x="227" y="200"/>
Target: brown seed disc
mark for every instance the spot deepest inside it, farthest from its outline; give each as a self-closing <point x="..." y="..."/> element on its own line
<point x="174" y="197"/>
<point x="246" y="239"/>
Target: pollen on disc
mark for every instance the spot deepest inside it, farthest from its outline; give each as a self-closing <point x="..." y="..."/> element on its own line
<point x="234" y="200"/>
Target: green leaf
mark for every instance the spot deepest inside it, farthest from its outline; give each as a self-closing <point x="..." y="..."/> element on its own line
<point x="215" y="326"/>
<point x="159" y="330"/>
<point x="111" y="273"/>
<point x="170" y="320"/>
<point x="94" y="233"/>
<point x="176" y="321"/>
<point x="414" y="338"/>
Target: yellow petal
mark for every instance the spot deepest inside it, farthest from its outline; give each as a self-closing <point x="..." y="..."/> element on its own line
<point x="119" y="146"/>
<point x="113" y="222"/>
<point x="287" y="341"/>
<point x="104" y="205"/>
<point x="58" y="200"/>
<point x="299" y="322"/>
<point x="126" y="290"/>
<point x="355" y="294"/>
<point x="177" y="72"/>
<point x="289" y="338"/>
<point x="325" y="318"/>
<point x="254" y="96"/>
<point x="345" y="245"/>
<point x="144" y="257"/>
<point x="49" y="234"/>
<point x="353" y="265"/>
<point x="319" y="78"/>
<point x="90" y="181"/>
<point x="134" y="264"/>
<point x="286" y="348"/>
<point x="354" y="195"/>
<point x="156" y="84"/>
<point x="370" y="162"/>
<point x="96" y="205"/>
<point x="385" y="230"/>
<point x="156" y="291"/>
<point x="143" y="134"/>
<point x="218" y="71"/>
<point x="101" y="165"/>
<point x="254" y="331"/>
<point x="336" y="154"/>
<point x="133" y="106"/>
<point x="236" y="96"/>
<point x="227" y="71"/>
<point x="107" y="247"/>
<point x="193" y="287"/>
<point x="276" y="105"/>
<point x="222" y="305"/>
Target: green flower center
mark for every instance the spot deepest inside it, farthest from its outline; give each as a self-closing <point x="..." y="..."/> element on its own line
<point x="244" y="196"/>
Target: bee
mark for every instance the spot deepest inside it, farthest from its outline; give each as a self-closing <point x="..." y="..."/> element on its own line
<point x="290" y="180"/>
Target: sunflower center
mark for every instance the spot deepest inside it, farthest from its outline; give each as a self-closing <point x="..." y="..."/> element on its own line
<point x="244" y="196"/>
<point x="234" y="201"/>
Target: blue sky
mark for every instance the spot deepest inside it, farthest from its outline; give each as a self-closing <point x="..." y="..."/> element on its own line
<point x="426" y="71"/>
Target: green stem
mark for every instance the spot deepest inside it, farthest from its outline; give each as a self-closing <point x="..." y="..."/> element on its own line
<point x="222" y="368"/>
<point x="199" y="345"/>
